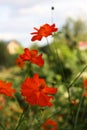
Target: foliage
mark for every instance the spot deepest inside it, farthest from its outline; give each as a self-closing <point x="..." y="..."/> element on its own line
<point x="5" y="61"/>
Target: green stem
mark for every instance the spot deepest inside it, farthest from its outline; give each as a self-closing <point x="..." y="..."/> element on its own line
<point x="69" y="99"/>
<point x="56" y="58"/>
<point x="77" y="77"/>
<point x="84" y="110"/>
<point x="19" y="122"/>
<point x="78" y="110"/>
<point x="21" y="119"/>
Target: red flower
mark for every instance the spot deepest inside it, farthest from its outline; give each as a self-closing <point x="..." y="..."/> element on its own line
<point x="30" y="55"/>
<point x="19" y="62"/>
<point x="50" y="125"/>
<point x="44" y="31"/>
<point x="37" y="92"/>
<point x="5" y="88"/>
<point x="85" y="84"/>
<point x="85" y="87"/>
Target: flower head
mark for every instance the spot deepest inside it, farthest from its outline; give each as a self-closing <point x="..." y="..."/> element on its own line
<point x="6" y="88"/>
<point x="30" y="55"/>
<point x="36" y="92"/>
<point x="85" y="87"/>
<point x="50" y="125"/>
<point x="44" y="31"/>
<point x="19" y="62"/>
<point x="85" y="84"/>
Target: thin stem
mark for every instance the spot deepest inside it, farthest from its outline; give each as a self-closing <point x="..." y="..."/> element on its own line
<point x="77" y="77"/>
<point x="83" y="112"/>
<point x="21" y="117"/>
<point x="19" y="122"/>
<point x="78" y="110"/>
<point x="69" y="99"/>
<point x="56" y="58"/>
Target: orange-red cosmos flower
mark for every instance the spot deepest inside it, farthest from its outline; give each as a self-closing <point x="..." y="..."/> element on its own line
<point x="30" y="55"/>
<point x="85" y="84"/>
<point x="85" y="87"/>
<point x="19" y="62"/>
<point x="44" y="31"/>
<point x="36" y="92"/>
<point x="5" y="88"/>
<point x="50" y="125"/>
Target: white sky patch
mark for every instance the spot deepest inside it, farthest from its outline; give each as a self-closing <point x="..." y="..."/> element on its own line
<point x="8" y="36"/>
<point x="34" y="10"/>
<point x="4" y="13"/>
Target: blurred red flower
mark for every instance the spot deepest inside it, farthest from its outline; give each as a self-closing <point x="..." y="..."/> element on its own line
<point x="85" y="84"/>
<point x="85" y="94"/>
<point x="30" y="55"/>
<point x="44" y="31"/>
<point x="85" y="87"/>
<point x="36" y="91"/>
<point x="19" y="62"/>
<point x="50" y="125"/>
<point x="5" y="88"/>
